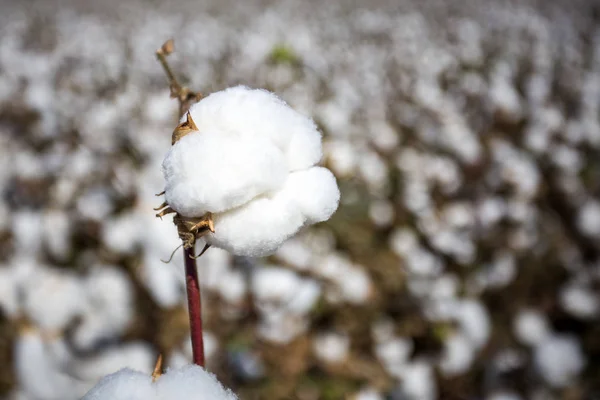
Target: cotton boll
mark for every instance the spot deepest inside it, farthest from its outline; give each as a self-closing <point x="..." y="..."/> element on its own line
<point x="394" y="354"/>
<point x="588" y="218"/>
<point x="52" y="299"/>
<point x="26" y="231"/>
<point x="315" y="192"/>
<point x="559" y="359"/>
<point x="418" y="381"/>
<point x="531" y="327"/>
<point x="579" y="301"/>
<point x="284" y="288"/>
<point x="125" y="384"/>
<point x="342" y="157"/>
<point x="95" y="204"/>
<point x="232" y="286"/>
<point x="331" y="347"/>
<point x="38" y="374"/>
<point x="191" y="383"/>
<point x="382" y="213"/>
<point x="258" y="228"/>
<point x="122" y="234"/>
<point x="296" y="253"/>
<point x="57" y="234"/>
<point x="213" y="171"/>
<point x="474" y="321"/>
<point x="109" y="309"/>
<point x="281" y="327"/>
<point x="355" y="285"/>
<point x="459" y="352"/>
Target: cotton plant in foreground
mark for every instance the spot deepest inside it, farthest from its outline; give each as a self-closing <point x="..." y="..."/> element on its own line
<point x="242" y="174"/>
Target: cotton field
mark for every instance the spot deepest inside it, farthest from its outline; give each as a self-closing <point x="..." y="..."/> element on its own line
<point x="463" y="261"/>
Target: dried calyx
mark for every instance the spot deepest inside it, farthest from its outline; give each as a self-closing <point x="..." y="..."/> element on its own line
<point x="188" y="228"/>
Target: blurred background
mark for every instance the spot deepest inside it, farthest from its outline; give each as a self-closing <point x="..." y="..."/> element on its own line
<point x="463" y="262"/>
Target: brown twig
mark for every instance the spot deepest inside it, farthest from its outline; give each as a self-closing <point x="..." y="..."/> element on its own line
<point x="186" y="97"/>
<point x="192" y="285"/>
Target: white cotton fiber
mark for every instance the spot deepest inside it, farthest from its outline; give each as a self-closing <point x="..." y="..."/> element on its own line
<point x="305" y="150"/>
<point x="559" y="359"/>
<point x="251" y="164"/>
<point x="191" y="383"/>
<point x="258" y="228"/>
<point x="315" y="192"/>
<point x="37" y="371"/>
<point x="214" y="171"/>
<point x="125" y="384"/>
<point x="257" y="113"/>
<point x="53" y="298"/>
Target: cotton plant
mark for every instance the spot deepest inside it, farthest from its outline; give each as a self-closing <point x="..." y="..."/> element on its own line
<point x="242" y="174"/>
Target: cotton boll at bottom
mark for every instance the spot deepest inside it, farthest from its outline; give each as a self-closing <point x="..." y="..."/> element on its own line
<point x="258" y="228"/>
<point x="315" y="192"/>
<point x="191" y="383"/>
<point x="213" y="171"/>
<point x="125" y="384"/>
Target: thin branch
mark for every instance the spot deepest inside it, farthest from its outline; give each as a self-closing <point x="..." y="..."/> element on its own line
<point x="186" y="97"/>
<point x="192" y="285"/>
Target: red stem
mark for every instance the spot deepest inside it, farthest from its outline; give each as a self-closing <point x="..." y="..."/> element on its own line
<point x="194" y="306"/>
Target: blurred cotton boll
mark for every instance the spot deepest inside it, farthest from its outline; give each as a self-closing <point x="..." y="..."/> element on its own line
<point x="559" y="359"/>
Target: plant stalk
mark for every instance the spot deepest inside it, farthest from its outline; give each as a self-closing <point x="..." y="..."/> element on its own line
<point x="192" y="285"/>
<point x="185" y="98"/>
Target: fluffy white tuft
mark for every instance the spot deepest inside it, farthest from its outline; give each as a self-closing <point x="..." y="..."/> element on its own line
<point x="315" y="193"/>
<point x="191" y="383"/>
<point x="261" y="226"/>
<point x="258" y="228"/>
<point x="213" y="171"/>
<point x="125" y="384"/>
<point x="251" y="164"/>
<point x="258" y="113"/>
